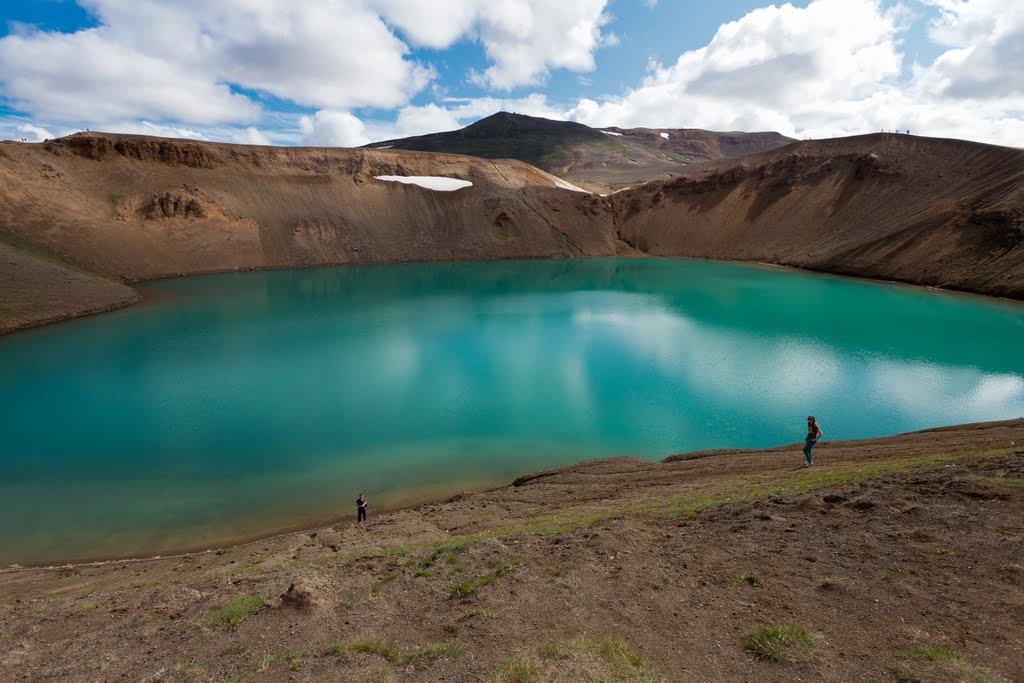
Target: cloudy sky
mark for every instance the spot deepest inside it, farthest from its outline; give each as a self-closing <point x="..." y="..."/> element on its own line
<point x="348" y="72"/>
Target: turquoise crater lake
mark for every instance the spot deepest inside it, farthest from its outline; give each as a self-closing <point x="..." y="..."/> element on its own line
<point x="230" y="406"/>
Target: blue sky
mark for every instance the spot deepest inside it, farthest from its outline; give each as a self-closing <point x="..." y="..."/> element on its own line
<point x="348" y="72"/>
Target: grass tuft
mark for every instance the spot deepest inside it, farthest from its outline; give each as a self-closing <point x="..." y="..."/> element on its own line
<point x="592" y="658"/>
<point x="462" y="589"/>
<point x="451" y="548"/>
<point x="234" y="613"/>
<point x="432" y="651"/>
<point x="517" y="670"/>
<point x="936" y="662"/>
<point x="501" y="565"/>
<point x="483" y="613"/>
<point x="349" y="649"/>
<point x="779" y="643"/>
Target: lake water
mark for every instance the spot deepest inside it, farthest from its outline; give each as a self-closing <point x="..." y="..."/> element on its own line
<point x="230" y="406"/>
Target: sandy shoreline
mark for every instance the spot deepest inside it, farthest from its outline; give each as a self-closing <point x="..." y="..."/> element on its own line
<point x="450" y="495"/>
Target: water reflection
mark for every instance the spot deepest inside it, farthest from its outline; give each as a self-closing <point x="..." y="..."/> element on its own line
<point x="240" y="403"/>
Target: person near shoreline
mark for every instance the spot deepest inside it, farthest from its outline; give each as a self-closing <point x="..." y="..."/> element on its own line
<point x="360" y="508"/>
<point x="813" y="434"/>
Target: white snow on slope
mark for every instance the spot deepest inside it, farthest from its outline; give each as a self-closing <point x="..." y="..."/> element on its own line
<point x="611" y="132"/>
<point x="664" y="135"/>
<point x="569" y="186"/>
<point x="565" y="185"/>
<point x="431" y="182"/>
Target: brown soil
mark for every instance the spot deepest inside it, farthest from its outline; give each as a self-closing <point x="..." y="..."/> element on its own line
<point x="44" y="291"/>
<point x="942" y="213"/>
<point x="902" y="558"/>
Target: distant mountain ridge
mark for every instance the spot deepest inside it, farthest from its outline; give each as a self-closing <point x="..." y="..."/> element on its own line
<point x="599" y="159"/>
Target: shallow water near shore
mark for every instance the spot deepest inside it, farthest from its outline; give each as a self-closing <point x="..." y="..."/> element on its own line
<point x="232" y="406"/>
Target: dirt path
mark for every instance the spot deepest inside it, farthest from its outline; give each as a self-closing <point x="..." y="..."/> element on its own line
<point x="899" y="559"/>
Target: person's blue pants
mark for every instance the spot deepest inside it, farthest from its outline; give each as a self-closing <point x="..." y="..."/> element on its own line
<point x="808" y="445"/>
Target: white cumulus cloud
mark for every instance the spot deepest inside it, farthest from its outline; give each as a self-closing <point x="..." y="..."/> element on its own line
<point x="333" y="129"/>
<point x="523" y="39"/>
<point x="835" y="67"/>
<point x="192" y="60"/>
<point x="33" y="133"/>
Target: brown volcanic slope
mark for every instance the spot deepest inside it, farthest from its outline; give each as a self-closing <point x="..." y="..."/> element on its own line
<point x="927" y="211"/>
<point x="587" y="156"/>
<point x="946" y="213"/>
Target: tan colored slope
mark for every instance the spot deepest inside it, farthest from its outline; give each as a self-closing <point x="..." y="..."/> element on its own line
<point x="146" y="207"/>
<point x="945" y="213"/>
<point x="37" y="290"/>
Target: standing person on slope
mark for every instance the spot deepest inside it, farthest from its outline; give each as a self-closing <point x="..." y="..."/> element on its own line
<point x="813" y="434"/>
<point x="361" y="508"/>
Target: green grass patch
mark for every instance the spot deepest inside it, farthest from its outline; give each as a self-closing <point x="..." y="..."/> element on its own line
<point x="478" y="613"/>
<point x="558" y="524"/>
<point x="451" y="548"/>
<point x="234" y="613"/>
<point x="618" y="653"/>
<point x="806" y="481"/>
<point x="432" y="651"/>
<point x="357" y="597"/>
<point x="267" y="661"/>
<point x="423" y="573"/>
<point x="349" y="649"/>
<point x="779" y="643"/>
<point x="590" y="658"/>
<point x="517" y="670"/>
<point x="931" y="662"/>
<point x="462" y="589"/>
<point x="390" y="576"/>
<point x="501" y="565"/>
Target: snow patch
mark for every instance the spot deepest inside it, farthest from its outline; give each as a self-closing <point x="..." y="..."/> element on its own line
<point x="569" y="186"/>
<point x="611" y="132"/>
<point x="431" y="182"/>
<point x="664" y="135"/>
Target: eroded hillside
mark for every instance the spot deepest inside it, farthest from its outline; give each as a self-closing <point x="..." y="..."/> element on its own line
<point x="944" y="213"/>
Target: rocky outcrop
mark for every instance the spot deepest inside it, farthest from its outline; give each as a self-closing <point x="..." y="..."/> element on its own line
<point x="101" y="147"/>
<point x="183" y="203"/>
